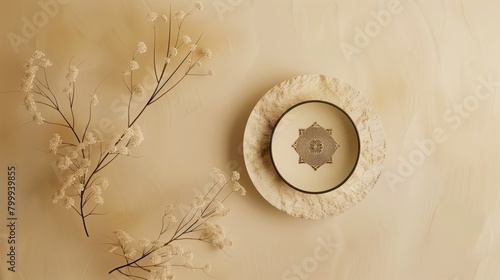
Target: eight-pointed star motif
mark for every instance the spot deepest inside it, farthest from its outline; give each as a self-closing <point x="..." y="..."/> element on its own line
<point x="315" y="146"/>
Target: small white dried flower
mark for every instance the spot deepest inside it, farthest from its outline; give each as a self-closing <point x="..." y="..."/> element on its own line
<point x="137" y="137"/>
<point x="192" y="47"/>
<point x="151" y="16"/>
<point x="44" y="63"/>
<point x="235" y="176"/>
<point x="198" y="5"/>
<point x="221" y="177"/>
<point x="81" y="172"/>
<point x="67" y="91"/>
<point x="186" y="39"/>
<point x="133" y="65"/>
<point x="130" y="253"/>
<point x="80" y="146"/>
<point x="216" y="170"/>
<point x="157" y="244"/>
<point x="93" y="100"/>
<point x="32" y="69"/>
<point x="172" y="52"/>
<point x="79" y="188"/>
<point x="98" y="200"/>
<point x="29" y="103"/>
<point x="60" y="194"/>
<point x="37" y="54"/>
<point x="110" y="148"/>
<point x="123" y="237"/>
<point x="144" y="243"/>
<point x="220" y="209"/>
<point x="54" y="143"/>
<point x="55" y="198"/>
<point x="138" y="90"/>
<point x="73" y="154"/>
<point x="123" y="150"/>
<point x="141" y="47"/>
<point x="155" y="275"/>
<point x="85" y="163"/>
<point x="96" y="190"/>
<point x="63" y="163"/>
<point x="70" y="179"/>
<point x="198" y="202"/>
<point x="128" y="132"/>
<point x="237" y="187"/>
<point x="168" y="269"/>
<point x="69" y="202"/>
<point x="113" y="248"/>
<point x="214" y="234"/>
<point x="104" y="183"/>
<point x="180" y="14"/>
<point x="27" y="83"/>
<point x="72" y="74"/>
<point x="207" y="53"/>
<point x="171" y="218"/>
<point x="155" y="257"/>
<point x="98" y="135"/>
<point x="29" y="62"/>
<point x="169" y="208"/>
<point x="90" y="138"/>
<point x="177" y="249"/>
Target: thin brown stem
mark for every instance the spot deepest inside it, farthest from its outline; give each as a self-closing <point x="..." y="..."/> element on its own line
<point x="83" y="216"/>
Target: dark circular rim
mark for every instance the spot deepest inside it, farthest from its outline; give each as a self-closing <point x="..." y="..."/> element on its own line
<point x="357" y="137"/>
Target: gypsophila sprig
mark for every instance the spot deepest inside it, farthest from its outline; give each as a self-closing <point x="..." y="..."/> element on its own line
<point x="155" y="259"/>
<point x="79" y="148"/>
<point x="82" y="151"/>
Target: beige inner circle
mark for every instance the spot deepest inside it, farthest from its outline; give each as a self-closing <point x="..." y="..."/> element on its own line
<point x="325" y="125"/>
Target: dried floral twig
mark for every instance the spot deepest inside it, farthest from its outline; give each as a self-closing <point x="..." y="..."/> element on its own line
<point x="89" y="152"/>
<point x="154" y="259"/>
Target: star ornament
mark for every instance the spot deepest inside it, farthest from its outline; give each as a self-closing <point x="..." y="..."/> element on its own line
<point x="315" y="146"/>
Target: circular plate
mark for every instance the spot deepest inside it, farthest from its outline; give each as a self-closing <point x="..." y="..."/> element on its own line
<point x="314" y="146"/>
<point x="257" y="138"/>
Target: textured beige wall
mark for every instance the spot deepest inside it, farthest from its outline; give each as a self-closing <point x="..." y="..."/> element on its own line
<point x="431" y="69"/>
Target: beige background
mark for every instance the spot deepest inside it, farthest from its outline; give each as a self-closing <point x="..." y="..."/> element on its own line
<point x="433" y="214"/>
